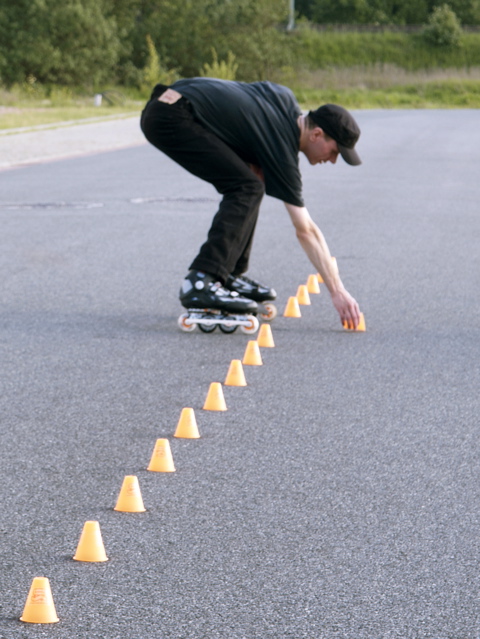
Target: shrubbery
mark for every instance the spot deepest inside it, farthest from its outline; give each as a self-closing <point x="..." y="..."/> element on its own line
<point x="443" y="29"/>
<point x="96" y="43"/>
<point x="223" y="69"/>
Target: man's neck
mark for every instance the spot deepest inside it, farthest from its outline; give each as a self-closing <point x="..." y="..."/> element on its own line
<point x="302" y="125"/>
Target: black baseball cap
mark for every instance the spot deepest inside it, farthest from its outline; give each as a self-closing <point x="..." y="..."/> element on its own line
<point x="339" y="124"/>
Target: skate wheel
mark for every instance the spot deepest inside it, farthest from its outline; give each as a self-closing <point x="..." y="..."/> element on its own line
<point x="185" y="324"/>
<point x="271" y="312"/>
<point x="226" y="328"/>
<point x="251" y="327"/>
<point x="207" y="328"/>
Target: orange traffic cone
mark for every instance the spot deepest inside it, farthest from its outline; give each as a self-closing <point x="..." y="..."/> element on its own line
<point x="39" y="607"/>
<point x="162" y="460"/>
<point x="312" y="285"/>
<point x="360" y="328"/>
<point x="90" y="547"/>
<point x="252" y="355"/>
<point x="235" y="375"/>
<point x="292" y="309"/>
<point x="187" y="425"/>
<point x="302" y="295"/>
<point x="265" y="337"/>
<point x="215" y="399"/>
<point x="130" y="498"/>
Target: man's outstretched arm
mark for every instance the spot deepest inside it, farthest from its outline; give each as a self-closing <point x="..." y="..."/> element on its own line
<point x="315" y="246"/>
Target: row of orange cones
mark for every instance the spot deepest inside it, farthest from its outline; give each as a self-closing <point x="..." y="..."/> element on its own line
<point x="40" y="607"/>
<point x="302" y="298"/>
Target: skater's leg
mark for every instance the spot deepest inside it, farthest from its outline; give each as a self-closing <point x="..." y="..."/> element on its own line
<point x="242" y="262"/>
<point x="174" y="130"/>
<point x="231" y="231"/>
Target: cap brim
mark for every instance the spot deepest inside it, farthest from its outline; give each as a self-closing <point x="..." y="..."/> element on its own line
<point x="349" y="155"/>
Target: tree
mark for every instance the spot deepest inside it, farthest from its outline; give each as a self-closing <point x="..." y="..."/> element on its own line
<point x="69" y="43"/>
<point x="90" y="42"/>
<point x="185" y="30"/>
<point x="467" y="11"/>
<point x="399" y="12"/>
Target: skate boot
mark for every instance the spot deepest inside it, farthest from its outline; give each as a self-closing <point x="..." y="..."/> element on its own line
<point x="209" y="305"/>
<point x="253" y="290"/>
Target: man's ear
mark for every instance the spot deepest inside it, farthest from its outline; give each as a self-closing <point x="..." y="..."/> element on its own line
<point x="317" y="132"/>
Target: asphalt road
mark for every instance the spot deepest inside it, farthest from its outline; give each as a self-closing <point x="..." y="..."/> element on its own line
<point x="72" y="139"/>
<point x="338" y="497"/>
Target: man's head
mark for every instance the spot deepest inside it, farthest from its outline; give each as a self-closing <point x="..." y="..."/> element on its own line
<point x="338" y="124"/>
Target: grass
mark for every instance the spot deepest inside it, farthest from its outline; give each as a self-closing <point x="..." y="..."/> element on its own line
<point x="406" y="97"/>
<point x="387" y="86"/>
<point x="321" y="49"/>
<point x="369" y="86"/>
<point x="31" y="117"/>
<point x="26" y="107"/>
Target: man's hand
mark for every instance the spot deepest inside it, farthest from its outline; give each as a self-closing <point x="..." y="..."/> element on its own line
<point x="347" y="308"/>
<point x="316" y="248"/>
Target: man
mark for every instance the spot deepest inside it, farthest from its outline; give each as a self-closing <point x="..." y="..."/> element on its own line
<point x="244" y="139"/>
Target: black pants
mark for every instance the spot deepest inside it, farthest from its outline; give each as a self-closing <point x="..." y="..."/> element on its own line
<point x="173" y="129"/>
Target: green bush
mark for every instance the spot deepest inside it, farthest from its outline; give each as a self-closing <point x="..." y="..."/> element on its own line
<point x="154" y="71"/>
<point x="443" y="29"/>
<point x="223" y="69"/>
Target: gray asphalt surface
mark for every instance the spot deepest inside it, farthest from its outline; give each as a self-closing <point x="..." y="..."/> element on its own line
<point x="338" y="496"/>
<point x="57" y="141"/>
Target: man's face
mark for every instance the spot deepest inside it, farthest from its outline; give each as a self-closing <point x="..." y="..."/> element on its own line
<point x="320" y="148"/>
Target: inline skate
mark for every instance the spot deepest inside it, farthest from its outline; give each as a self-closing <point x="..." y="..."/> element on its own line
<point x="209" y="305"/>
<point x="253" y="290"/>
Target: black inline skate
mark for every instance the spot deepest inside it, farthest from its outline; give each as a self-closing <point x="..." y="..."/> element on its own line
<point x="253" y="290"/>
<point x="209" y="305"/>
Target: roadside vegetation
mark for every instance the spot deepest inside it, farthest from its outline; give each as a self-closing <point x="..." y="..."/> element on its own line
<point x="56" y="57"/>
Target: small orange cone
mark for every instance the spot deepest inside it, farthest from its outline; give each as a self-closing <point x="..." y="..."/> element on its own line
<point x="235" y="375"/>
<point x="302" y="295"/>
<point x="360" y="328"/>
<point x="312" y="285"/>
<point x="39" y="607"/>
<point x="320" y="278"/>
<point x="252" y="355"/>
<point x="292" y="309"/>
<point x="187" y="425"/>
<point x="215" y="399"/>
<point x="130" y="498"/>
<point x="162" y="460"/>
<point x="90" y="547"/>
<point x="265" y="337"/>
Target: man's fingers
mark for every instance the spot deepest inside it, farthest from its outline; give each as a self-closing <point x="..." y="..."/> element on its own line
<point x="352" y="320"/>
<point x="351" y="316"/>
<point x="348" y="310"/>
<point x="349" y="324"/>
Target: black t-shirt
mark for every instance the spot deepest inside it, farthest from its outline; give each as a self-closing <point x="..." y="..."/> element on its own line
<point x="258" y="121"/>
